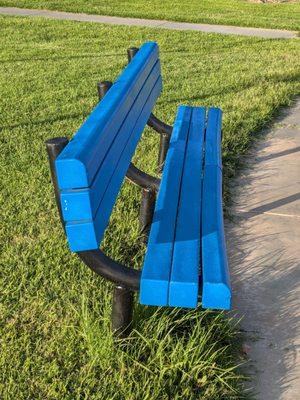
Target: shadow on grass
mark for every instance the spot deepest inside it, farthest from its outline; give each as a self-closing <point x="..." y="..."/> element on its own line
<point x="234" y="89"/>
<point x="61" y="58"/>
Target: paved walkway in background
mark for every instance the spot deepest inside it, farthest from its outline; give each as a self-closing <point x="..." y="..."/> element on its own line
<point x="264" y="249"/>
<point x="223" y="29"/>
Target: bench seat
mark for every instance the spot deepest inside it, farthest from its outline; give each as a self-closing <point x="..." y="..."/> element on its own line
<point x="186" y="245"/>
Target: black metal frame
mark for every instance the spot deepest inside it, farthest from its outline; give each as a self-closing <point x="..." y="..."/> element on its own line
<point x="126" y="280"/>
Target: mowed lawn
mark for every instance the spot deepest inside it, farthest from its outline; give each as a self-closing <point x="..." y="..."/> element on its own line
<point x="55" y="337"/>
<point x="283" y="15"/>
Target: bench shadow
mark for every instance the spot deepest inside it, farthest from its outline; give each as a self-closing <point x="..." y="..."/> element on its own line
<point x="53" y="120"/>
<point x="272" y="205"/>
<point x="279" y="154"/>
<point x="59" y="58"/>
<point x="233" y="89"/>
<point x="217" y="47"/>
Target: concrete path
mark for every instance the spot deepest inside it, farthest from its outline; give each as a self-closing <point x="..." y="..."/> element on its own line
<point x="264" y="251"/>
<point x="223" y="29"/>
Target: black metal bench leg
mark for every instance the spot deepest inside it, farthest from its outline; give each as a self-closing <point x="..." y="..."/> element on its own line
<point x="146" y="211"/>
<point x="122" y="310"/>
<point x="163" y="149"/>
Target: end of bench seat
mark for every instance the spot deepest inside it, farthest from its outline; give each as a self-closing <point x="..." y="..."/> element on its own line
<point x="183" y="294"/>
<point x="154" y="292"/>
<point x="216" y="296"/>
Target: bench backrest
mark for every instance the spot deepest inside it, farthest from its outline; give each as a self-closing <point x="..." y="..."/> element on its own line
<point x="91" y="168"/>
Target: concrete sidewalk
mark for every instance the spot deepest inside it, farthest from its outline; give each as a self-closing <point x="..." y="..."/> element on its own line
<point x="264" y="250"/>
<point x="222" y="29"/>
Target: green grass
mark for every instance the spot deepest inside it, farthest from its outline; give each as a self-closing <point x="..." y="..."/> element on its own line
<point x="55" y="335"/>
<point x="228" y="12"/>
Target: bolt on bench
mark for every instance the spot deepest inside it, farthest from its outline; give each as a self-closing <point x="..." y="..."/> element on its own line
<point x="186" y="251"/>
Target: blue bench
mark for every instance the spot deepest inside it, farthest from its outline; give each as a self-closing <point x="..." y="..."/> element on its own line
<point x="186" y="252"/>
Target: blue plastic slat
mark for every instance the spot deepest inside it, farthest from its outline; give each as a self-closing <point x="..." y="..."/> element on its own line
<point x="82" y="204"/>
<point x="154" y="285"/>
<point x="78" y="163"/>
<point x="216" y="292"/>
<point x="87" y="235"/>
<point x="213" y="138"/>
<point x="184" y="282"/>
